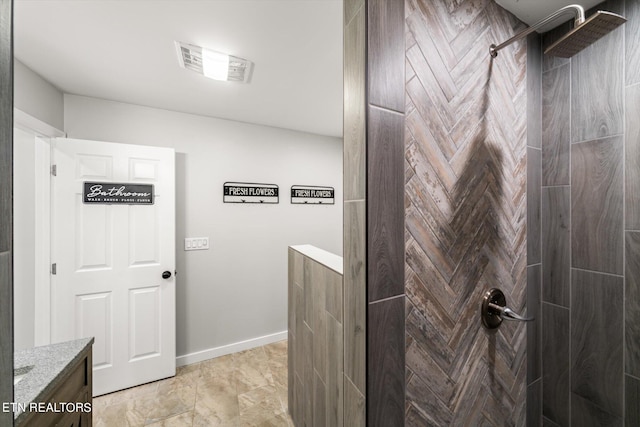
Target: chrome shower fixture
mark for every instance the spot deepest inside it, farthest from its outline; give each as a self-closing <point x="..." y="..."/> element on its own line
<point x="584" y="32"/>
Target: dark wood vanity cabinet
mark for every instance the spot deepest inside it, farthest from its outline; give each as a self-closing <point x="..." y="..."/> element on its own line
<point x="73" y="388"/>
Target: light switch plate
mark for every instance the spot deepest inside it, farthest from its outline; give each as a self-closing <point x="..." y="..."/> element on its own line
<point x="196" y="244"/>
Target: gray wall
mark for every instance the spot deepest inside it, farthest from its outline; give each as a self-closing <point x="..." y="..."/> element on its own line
<point x="37" y="97"/>
<point x="6" y="169"/>
<point x="590" y="230"/>
<point x="237" y="290"/>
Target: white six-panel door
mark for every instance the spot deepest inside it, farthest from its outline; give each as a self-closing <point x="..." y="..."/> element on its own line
<point x="109" y="262"/>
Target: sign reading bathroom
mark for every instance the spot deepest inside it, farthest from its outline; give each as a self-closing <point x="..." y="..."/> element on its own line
<point x="248" y="192"/>
<point x="107" y="193"/>
<point x="312" y="195"/>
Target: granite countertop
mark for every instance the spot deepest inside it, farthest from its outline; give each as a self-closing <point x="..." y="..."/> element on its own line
<point x="332" y="261"/>
<point x="51" y="363"/>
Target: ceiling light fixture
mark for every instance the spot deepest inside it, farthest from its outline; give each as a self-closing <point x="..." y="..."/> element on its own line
<point x="212" y="64"/>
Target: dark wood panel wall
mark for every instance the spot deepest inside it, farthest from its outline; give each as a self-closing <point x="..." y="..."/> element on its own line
<point x="465" y="200"/>
<point x="590" y="229"/>
<point x="374" y="212"/>
<point x="6" y="222"/>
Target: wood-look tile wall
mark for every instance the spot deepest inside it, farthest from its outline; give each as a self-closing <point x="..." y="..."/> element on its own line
<point x="590" y="226"/>
<point x="6" y="224"/>
<point x="466" y="210"/>
<point x="355" y="221"/>
<point x="316" y="343"/>
<point x="374" y="212"/>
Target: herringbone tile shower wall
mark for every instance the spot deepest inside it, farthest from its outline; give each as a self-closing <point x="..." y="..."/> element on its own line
<point x="465" y="203"/>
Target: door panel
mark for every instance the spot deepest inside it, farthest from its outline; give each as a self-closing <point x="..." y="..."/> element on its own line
<point x="93" y="319"/>
<point x="110" y="259"/>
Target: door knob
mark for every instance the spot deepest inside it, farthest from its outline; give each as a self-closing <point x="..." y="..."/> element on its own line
<point x="495" y="310"/>
<point x="166" y="274"/>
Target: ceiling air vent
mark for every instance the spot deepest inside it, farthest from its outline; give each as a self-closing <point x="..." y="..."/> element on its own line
<point x="212" y="64"/>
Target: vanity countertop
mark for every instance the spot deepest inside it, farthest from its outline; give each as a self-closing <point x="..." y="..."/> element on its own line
<point x="51" y="365"/>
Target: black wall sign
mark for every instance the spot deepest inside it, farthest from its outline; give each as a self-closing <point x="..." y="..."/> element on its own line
<point x="107" y="193"/>
<point x="312" y="195"/>
<point x="248" y="192"/>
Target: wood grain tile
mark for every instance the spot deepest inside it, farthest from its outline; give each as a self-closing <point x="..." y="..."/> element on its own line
<point x="334" y="294"/>
<point x="307" y="376"/>
<point x="632" y="304"/>
<point x="6" y="333"/>
<point x="354" y="107"/>
<point x="632" y="42"/>
<point x="386" y="362"/>
<point x="291" y="384"/>
<point x="548" y="38"/>
<point x="385" y="204"/>
<point x="350" y="9"/>
<point x="597" y="205"/>
<point x="467" y="148"/>
<point x="632" y="399"/>
<point x="319" y="286"/>
<point x="534" y="90"/>
<point x="556" y="131"/>
<point x="354" y="405"/>
<point x="355" y="294"/>
<point x="632" y="158"/>
<point x="546" y="422"/>
<point x="534" y="183"/>
<point x="597" y="89"/>
<point x="307" y="289"/>
<point x="585" y="414"/>
<point x="319" y="401"/>
<point x="335" y="373"/>
<point x="385" y="53"/>
<point x="6" y="130"/>
<point x="555" y="364"/>
<point x="597" y="339"/>
<point x="291" y="313"/>
<point x="534" y="404"/>
<point x="556" y="245"/>
<point x="534" y="329"/>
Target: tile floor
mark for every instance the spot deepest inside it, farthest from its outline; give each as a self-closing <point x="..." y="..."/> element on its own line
<point x="242" y="389"/>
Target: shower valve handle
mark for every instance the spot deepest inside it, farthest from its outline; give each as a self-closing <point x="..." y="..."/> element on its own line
<point x="494" y="310"/>
<point x="507" y="314"/>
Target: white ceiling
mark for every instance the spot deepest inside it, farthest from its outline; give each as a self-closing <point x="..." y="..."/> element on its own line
<point x="532" y="11"/>
<point x="123" y="50"/>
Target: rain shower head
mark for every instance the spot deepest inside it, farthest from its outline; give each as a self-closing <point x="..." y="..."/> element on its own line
<point x="598" y="25"/>
<point x="582" y="35"/>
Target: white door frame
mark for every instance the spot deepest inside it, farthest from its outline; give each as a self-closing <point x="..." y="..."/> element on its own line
<point x="42" y="133"/>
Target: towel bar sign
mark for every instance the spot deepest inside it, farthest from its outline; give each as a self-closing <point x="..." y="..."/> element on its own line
<point x="247" y="192"/>
<point x="312" y="195"/>
<point x="107" y="193"/>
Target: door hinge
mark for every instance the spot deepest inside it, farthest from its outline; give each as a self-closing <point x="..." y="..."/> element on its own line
<point x="54" y="268"/>
<point x="54" y="170"/>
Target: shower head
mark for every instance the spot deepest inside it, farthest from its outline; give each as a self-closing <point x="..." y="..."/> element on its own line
<point x="598" y="25"/>
<point x="582" y="35"/>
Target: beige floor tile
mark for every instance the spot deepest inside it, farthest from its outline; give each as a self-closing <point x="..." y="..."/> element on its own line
<point x="265" y="420"/>
<point x="260" y="403"/>
<point x="220" y="366"/>
<point x="169" y="403"/>
<point x="276" y="350"/>
<point x="131" y="413"/>
<point x="215" y="407"/>
<point x="244" y="389"/>
<point x="182" y="420"/>
<point x="279" y="372"/>
<point x="131" y="393"/>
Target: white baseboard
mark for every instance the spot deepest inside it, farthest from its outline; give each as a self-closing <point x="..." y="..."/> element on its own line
<point x="210" y="353"/>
